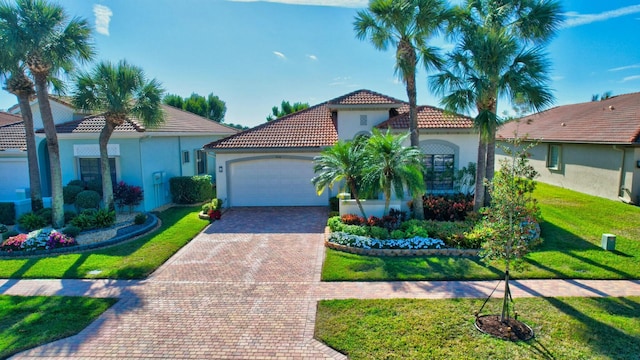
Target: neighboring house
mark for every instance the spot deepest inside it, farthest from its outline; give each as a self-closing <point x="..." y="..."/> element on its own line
<point x="143" y="157"/>
<point x="592" y="147"/>
<point x="14" y="169"/>
<point x="272" y="164"/>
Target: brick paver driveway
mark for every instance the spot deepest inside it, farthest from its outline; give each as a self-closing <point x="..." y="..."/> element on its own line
<point x="247" y="288"/>
<point x="242" y="289"/>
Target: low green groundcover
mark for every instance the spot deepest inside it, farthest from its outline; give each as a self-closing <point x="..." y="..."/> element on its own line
<point x="27" y="322"/>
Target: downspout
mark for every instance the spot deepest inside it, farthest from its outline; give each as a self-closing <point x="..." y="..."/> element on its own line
<point x="180" y="155"/>
<point x="621" y="189"/>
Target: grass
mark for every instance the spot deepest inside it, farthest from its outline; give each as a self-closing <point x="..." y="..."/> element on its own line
<point x="565" y="328"/>
<point x="572" y="229"/>
<point x="26" y="322"/>
<point x="132" y="260"/>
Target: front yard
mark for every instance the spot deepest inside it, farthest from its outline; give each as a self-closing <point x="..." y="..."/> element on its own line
<point x="572" y="227"/>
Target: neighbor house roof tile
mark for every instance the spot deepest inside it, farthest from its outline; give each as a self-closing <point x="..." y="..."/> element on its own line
<point x="12" y="136"/>
<point x="615" y="120"/>
<point x="364" y="97"/>
<point x="176" y="121"/>
<point x="7" y="118"/>
<point x="429" y="117"/>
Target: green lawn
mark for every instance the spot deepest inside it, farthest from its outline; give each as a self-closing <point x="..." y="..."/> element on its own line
<point x="26" y="322"/>
<point x="132" y="260"/>
<point x="565" y="328"/>
<point x="572" y="230"/>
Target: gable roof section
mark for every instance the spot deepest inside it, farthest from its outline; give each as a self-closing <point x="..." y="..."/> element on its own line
<point x="8" y="118"/>
<point x="13" y="137"/>
<point x="612" y="121"/>
<point x="429" y="117"/>
<point x="176" y="121"/>
<point x="365" y="97"/>
<point x="311" y="127"/>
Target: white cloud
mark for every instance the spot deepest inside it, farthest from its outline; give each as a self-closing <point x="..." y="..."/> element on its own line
<point x="336" y="3"/>
<point x="576" y="19"/>
<point x="631" y="78"/>
<point x="312" y="57"/>
<point x="280" y="55"/>
<point x="635" y="66"/>
<point x="103" y="17"/>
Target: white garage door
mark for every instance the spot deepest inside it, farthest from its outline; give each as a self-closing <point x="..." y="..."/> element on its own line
<point x="14" y="174"/>
<point x="273" y="182"/>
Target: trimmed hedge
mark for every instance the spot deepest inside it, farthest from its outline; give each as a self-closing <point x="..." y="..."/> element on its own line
<point x="191" y="189"/>
<point x="7" y="213"/>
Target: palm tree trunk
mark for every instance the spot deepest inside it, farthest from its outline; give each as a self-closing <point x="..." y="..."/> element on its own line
<point x="352" y="187"/>
<point x="105" y="168"/>
<point x="478" y="200"/>
<point x="491" y="163"/>
<point x="35" y="188"/>
<point x="410" y="78"/>
<point x="57" y="200"/>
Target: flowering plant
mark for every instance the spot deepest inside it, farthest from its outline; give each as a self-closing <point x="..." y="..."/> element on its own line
<point x="365" y="242"/>
<point x="127" y="195"/>
<point x="215" y="214"/>
<point x="42" y="239"/>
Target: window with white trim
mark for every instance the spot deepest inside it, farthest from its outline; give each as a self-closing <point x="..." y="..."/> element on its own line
<point x="554" y="156"/>
<point x="185" y="157"/>
<point x="89" y="169"/>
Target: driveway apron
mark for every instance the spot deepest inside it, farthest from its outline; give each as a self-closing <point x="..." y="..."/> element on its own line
<point x="242" y="289"/>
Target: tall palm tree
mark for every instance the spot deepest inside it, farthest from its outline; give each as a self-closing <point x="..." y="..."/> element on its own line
<point x="118" y="91"/>
<point x="406" y="25"/>
<point x="341" y="162"/>
<point x="499" y="54"/>
<point x="17" y="83"/>
<point x="392" y="167"/>
<point x="50" y="43"/>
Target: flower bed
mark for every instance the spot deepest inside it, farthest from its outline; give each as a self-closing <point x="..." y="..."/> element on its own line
<point x="42" y="239"/>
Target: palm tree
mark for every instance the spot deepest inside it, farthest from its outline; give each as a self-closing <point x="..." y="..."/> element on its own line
<point x="18" y="84"/>
<point x="407" y="25"/>
<point x="499" y="54"/>
<point x="342" y="161"/>
<point x="49" y="43"/>
<point x="392" y="167"/>
<point x="118" y="91"/>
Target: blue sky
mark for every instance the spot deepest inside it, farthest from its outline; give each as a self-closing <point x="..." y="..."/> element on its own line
<point x="254" y="54"/>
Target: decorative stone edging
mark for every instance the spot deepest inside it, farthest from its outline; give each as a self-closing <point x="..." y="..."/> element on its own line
<point x="152" y="222"/>
<point x="398" y="252"/>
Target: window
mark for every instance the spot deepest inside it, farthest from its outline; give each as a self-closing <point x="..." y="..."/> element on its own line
<point x="439" y="172"/>
<point x="554" y="157"/>
<point x="363" y="120"/>
<point x="89" y="169"/>
<point x="201" y="162"/>
<point x="185" y="157"/>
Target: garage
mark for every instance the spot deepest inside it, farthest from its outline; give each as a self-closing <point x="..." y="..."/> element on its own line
<point x="14" y="174"/>
<point x="273" y="181"/>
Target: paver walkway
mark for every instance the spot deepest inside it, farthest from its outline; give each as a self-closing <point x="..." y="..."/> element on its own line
<point x="246" y="288"/>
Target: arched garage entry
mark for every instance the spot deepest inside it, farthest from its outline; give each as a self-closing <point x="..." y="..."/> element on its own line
<point x="273" y="181"/>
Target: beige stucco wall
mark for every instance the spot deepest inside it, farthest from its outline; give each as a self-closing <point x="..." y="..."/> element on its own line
<point x="589" y="168"/>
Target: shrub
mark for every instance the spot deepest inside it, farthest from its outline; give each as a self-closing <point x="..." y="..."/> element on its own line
<point x="416" y="231"/>
<point x="13" y="243"/>
<point x="70" y="192"/>
<point x="355" y="230"/>
<point x="88" y="199"/>
<point x="95" y="185"/>
<point x="351" y="219"/>
<point x="397" y="234"/>
<point x="127" y="195"/>
<point x="79" y="183"/>
<point x="72" y="231"/>
<point x="104" y="218"/>
<point x="46" y="214"/>
<point x="335" y="224"/>
<point x="69" y="215"/>
<point x="334" y="204"/>
<point x="214" y="214"/>
<point x="31" y="221"/>
<point x="7" y="213"/>
<point x="9" y="234"/>
<point x="190" y="189"/>
<point x="447" y="208"/>
<point x="378" y="232"/>
<point x="3" y="228"/>
<point x="86" y="220"/>
<point x="214" y="204"/>
<point x="140" y="219"/>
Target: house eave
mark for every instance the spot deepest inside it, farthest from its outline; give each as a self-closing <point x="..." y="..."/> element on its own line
<point x="364" y="107"/>
<point x="264" y="150"/>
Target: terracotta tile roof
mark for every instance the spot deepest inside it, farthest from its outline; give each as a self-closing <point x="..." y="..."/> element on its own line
<point x="12" y="136"/>
<point x="7" y="118"/>
<point x="365" y="97"/>
<point x="176" y="120"/>
<point x="429" y="117"/>
<point x="615" y="120"/>
<point x="314" y="127"/>
<point x="311" y="127"/>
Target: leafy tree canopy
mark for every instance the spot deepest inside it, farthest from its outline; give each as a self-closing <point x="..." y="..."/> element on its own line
<point x="210" y="107"/>
<point x="286" y="108"/>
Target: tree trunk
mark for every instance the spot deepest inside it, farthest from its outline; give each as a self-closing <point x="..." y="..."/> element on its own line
<point x="105" y="168"/>
<point x="507" y="295"/>
<point x="57" y="200"/>
<point x="352" y="187"/>
<point x="478" y="200"/>
<point x="35" y="188"/>
<point x="410" y="79"/>
<point x="491" y="163"/>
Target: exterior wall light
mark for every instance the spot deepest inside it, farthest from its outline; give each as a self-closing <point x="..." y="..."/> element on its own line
<point x="220" y="168"/>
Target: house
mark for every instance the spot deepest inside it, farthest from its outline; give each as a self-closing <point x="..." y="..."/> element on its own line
<point x="14" y="169"/>
<point x="591" y="147"/>
<point x="139" y="156"/>
<point x="272" y="164"/>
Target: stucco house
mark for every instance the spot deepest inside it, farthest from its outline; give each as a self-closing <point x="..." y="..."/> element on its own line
<point x="591" y="147"/>
<point x="145" y="157"/>
<point x="272" y="164"/>
<point x="14" y="170"/>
